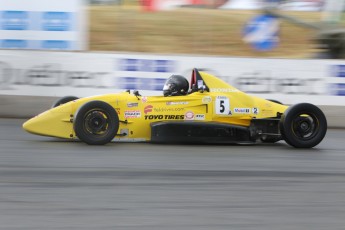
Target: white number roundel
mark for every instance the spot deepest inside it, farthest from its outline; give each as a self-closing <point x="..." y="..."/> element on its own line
<point x="222" y="105"/>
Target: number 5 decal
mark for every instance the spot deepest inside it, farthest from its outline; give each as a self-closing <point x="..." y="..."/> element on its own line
<point x="222" y="105"/>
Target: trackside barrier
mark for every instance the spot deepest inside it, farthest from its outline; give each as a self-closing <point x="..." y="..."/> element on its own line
<point x="31" y="80"/>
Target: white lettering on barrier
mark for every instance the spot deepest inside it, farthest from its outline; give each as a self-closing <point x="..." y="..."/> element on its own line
<point x="49" y="75"/>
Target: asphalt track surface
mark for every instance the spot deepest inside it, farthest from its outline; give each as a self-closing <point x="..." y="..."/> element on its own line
<point x="47" y="183"/>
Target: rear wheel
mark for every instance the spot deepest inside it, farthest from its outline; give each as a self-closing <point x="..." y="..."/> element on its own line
<point x="303" y="125"/>
<point x="64" y="100"/>
<point x="96" y="123"/>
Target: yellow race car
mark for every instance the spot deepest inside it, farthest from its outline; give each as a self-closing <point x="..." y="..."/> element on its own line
<point x="204" y="110"/>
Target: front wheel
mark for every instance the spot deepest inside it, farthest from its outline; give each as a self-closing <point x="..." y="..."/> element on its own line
<point x="303" y="125"/>
<point x="96" y="123"/>
<point x="64" y="100"/>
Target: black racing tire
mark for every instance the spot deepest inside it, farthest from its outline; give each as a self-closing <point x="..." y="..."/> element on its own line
<point x="283" y="136"/>
<point x="96" y="123"/>
<point x="303" y="125"/>
<point x="270" y="139"/>
<point x="64" y="100"/>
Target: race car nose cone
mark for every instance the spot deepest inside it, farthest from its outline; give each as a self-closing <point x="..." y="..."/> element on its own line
<point x="50" y="124"/>
<point x="37" y="125"/>
<point x="30" y="126"/>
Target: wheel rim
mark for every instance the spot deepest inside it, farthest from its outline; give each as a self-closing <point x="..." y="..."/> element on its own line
<point x="96" y="122"/>
<point x="305" y="126"/>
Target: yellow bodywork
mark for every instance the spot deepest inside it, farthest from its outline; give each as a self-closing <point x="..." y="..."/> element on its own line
<point x="221" y="102"/>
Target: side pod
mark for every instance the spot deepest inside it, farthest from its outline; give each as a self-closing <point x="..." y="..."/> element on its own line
<point x="198" y="132"/>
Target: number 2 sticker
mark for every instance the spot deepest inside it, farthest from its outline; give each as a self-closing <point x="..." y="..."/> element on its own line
<point x="222" y="105"/>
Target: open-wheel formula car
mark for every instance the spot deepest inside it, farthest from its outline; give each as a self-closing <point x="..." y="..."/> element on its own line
<point x="212" y="111"/>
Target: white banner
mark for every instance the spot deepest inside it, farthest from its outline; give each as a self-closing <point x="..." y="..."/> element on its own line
<point x="290" y="5"/>
<point x="293" y="5"/>
<point x="43" y="24"/>
<point x="321" y="82"/>
<point x="243" y="4"/>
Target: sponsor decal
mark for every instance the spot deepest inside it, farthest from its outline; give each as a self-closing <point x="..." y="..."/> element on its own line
<point x="223" y="90"/>
<point x="148" y="109"/>
<point x="242" y="110"/>
<point x="267" y="112"/>
<point x="206" y="100"/>
<point x="15" y="20"/>
<point x="338" y="71"/>
<point x="52" y="75"/>
<point x="139" y="83"/>
<point x="132" y="104"/>
<point x="268" y="105"/>
<point x="200" y="117"/>
<point x="132" y="114"/>
<point x="163" y="110"/>
<point x="166" y="117"/>
<point x="264" y="82"/>
<point x="255" y="110"/>
<point x="56" y="44"/>
<point x="222" y="97"/>
<point x="46" y="26"/>
<point x="146" y="65"/>
<point x="144" y="99"/>
<point x="189" y="115"/>
<point x="338" y="87"/>
<point x="15" y="43"/>
<point x="57" y="21"/>
<point x="177" y="103"/>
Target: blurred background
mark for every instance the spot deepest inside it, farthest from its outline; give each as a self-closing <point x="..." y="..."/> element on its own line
<point x="212" y="27"/>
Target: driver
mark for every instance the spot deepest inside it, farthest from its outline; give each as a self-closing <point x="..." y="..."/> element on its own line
<point x="175" y="85"/>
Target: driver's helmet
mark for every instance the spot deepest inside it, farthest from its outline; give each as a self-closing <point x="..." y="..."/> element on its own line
<point x="175" y="85"/>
